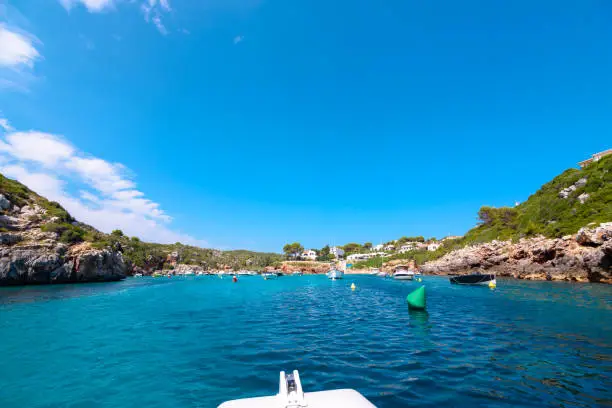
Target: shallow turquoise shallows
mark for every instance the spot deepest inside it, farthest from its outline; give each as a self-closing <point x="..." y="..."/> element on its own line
<point x="196" y="342"/>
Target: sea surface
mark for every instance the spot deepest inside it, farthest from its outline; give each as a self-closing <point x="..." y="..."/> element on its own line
<point x="196" y="342"/>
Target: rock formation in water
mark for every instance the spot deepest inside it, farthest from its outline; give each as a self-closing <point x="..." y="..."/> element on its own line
<point x="583" y="257"/>
<point x="31" y="255"/>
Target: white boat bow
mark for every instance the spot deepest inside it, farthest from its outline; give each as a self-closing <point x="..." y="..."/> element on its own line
<point x="291" y="395"/>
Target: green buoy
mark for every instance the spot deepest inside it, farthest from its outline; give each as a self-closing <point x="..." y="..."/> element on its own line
<point x="416" y="299"/>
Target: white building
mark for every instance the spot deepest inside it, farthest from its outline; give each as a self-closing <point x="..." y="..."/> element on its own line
<point x="433" y="246"/>
<point x="410" y="246"/>
<point x="310" y="255"/>
<point x="595" y="157"/>
<point x="358" y="257"/>
<point x="377" y="248"/>
<point x="389" y="247"/>
<point x="336" y="251"/>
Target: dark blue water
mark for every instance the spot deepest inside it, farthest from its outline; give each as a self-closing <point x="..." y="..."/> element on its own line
<point x="197" y="342"/>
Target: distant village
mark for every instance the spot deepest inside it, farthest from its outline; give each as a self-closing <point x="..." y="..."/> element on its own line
<point x="355" y="252"/>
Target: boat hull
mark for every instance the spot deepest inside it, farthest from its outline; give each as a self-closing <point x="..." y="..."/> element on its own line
<point x="474" y="279"/>
<point x="335" y="274"/>
<point x="404" y="277"/>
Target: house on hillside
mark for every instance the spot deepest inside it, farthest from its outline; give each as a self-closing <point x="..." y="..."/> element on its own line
<point x="336" y="251"/>
<point x="410" y="246"/>
<point x="358" y="257"/>
<point x="310" y="255"/>
<point x="377" y="248"/>
<point x="433" y="246"/>
<point x="389" y="247"/>
<point x="594" y="158"/>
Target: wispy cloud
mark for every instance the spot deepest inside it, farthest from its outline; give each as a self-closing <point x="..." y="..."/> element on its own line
<point x="106" y="196"/>
<point x="153" y="10"/>
<point x="5" y="125"/>
<point x="17" y="49"/>
<point x="238" y="39"/>
<point x="91" y="5"/>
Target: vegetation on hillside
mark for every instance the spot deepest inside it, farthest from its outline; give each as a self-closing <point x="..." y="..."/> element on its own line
<point x="138" y="253"/>
<point x="544" y="213"/>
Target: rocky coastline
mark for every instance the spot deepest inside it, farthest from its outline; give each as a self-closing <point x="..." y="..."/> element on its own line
<point x="583" y="257"/>
<point x="30" y="256"/>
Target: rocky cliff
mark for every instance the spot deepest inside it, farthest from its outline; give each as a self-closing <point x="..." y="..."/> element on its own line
<point x="583" y="257"/>
<point x="30" y="253"/>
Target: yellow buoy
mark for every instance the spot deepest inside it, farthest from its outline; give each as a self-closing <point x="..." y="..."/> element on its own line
<point x="353" y="287"/>
<point x="492" y="285"/>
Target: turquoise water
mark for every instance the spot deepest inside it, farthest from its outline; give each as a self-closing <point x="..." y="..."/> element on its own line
<point x="195" y="342"/>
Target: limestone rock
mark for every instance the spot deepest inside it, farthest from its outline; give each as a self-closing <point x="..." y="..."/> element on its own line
<point x="5" y="204"/>
<point x="583" y="197"/>
<point x="585" y="258"/>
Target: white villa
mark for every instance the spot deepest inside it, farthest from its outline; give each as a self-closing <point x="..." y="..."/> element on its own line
<point x="377" y="248"/>
<point x="363" y="257"/>
<point x="433" y="246"/>
<point x="410" y="246"/>
<point x="594" y="158"/>
<point x="389" y="247"/>
<point x="336" y="251"/>
<point x="310" y="254"/>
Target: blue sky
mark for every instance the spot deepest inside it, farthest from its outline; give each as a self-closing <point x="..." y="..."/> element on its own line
<point x="251" y="123"/>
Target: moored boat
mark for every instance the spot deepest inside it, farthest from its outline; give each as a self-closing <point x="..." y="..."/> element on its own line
<point x="269" y="275"/>
<point x="403" y="273"/>
<point x="334" y="274"/>
<point x="297" y="273"/>
<point x="474" y="279"/>
<point x="290" y="394"/>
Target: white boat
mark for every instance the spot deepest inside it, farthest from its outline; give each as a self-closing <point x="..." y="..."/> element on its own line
<point x="138" y="275"/>
<point x="403" y="273"/>
<point x="334" y="274"/>
<point x="188" y="273"/>
<point x="269" y="275"/>
<point x="374" y="271"/>
<point x="291" y="395"/>
<point x="297" y="273"/>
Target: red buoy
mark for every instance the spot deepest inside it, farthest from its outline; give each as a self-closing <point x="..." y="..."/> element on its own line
<point x="234" y="279"/>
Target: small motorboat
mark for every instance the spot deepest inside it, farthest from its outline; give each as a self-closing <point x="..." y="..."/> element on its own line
<point x="486" y="279"/>
<point x="138" y="275"/>
<point x="374" y="271"/>
<point x="334" y="274"/>
<point x="297" y="273"/>
<point x="269" y="275"/>
<point x="291" y="395"/>
<point x="403" y="273"/>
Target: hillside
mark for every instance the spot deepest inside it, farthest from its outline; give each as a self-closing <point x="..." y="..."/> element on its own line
<point x="40" y="242"/>
<point x="560" y="207"/>
<point x="574" y="199"/>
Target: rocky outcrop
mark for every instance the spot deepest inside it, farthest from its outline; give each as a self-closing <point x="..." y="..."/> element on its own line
<point x="585" y="257"/>
<point x="289" y="267"/>
<point x="29" y="255"/>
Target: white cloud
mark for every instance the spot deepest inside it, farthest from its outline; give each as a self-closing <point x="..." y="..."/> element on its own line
<point x="39" y="147"/>
<point x="53" y="168"/>
<point x="153" y="11"/>
<point x="5" y="125"/>
<point x="238" y="39"/>
<point x="16" y="49"/>
<point x="92" y="6"/>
